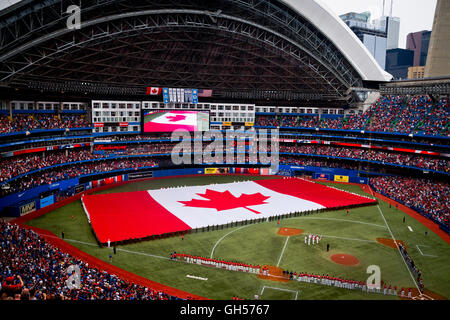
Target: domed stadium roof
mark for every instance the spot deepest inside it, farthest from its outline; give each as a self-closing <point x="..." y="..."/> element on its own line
<point x="276" y="46"/>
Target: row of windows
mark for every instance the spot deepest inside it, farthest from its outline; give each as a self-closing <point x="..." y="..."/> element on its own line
<point x="117" y="113"/>
<point x="115" y="105"/>
<point x="333" y="111"/>
<point x="201" y="106"/>
<point x="117" y="129"/>
<point x="299" y="110"/>
<point x="232" y="119"/>
<point x="232" y="107"/>
<point x="213" y="107"/>
<point x="176" y="105"/>
<point x="232" y="114"/>
<point x="234" y="127"/>
<point x="31" y="105"/>
<point x="116" y="119"/>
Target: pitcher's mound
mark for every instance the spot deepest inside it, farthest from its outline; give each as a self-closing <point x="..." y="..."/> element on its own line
<point x="390" y="243"/>
<point x="289" y="231"/>
<point x="344" y="259"/>
<point x="272" y="273"/>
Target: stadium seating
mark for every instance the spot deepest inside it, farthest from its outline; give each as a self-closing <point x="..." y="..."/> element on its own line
<point x="62" y="173"/>
<point x="20" y="165"/>
<point x="12" y="167"/>
<point x="32" y="269"/>
<point x="372" y="155"/>
<point x="30" y="122"/>
<point x="431" y="198"/>
<point x="394" y="114"/>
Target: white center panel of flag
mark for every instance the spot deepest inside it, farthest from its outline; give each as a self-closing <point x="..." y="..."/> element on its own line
<point x="179" y="202"/>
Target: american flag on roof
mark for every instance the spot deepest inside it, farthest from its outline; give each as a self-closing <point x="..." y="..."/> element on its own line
<point x="204" y="93"/>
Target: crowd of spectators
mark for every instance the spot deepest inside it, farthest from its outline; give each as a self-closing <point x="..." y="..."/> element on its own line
<point x="136" y="137"/>
<point x="135" y="149"/>
<point x="413" y="115"/>
<point x="308" y="161"/>
<point x="14" y="166"/>
<point x="33" y="269"/>
<point x="30" y="122"/>
<point x="385" y="113"/>
<point x="426" y="162"/>
<point x="287" y="121"/>
<point x="66" y="172"/>
<point x="429" y="197"/>
<point x="419" y="114"/>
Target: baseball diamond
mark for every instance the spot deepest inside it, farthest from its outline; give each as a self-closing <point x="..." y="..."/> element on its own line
<point x="205" y="154"/>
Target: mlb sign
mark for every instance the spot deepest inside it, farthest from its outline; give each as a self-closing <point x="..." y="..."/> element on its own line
<point x="27" y="208"/>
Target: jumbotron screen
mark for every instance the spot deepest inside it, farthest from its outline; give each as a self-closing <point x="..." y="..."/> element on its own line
<point x="171" y="120"/>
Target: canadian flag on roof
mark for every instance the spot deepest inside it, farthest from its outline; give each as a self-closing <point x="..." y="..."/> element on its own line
<point x="154" y="91"/>
<point x="139" y="214"/>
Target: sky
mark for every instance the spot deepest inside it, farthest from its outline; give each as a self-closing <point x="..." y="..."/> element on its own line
<point x="415" y="15"/>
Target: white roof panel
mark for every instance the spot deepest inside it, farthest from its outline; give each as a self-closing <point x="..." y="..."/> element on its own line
<point x="325" y="20"/>
<point x="6" y="3"/>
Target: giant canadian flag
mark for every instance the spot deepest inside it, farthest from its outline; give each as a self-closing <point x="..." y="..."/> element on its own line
<point x="122" y="216"/>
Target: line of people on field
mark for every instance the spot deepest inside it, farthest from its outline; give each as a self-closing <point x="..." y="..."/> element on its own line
<point x="312" y="239"/>
<point x="410" y="262"/>
<point x="217" y="263"/>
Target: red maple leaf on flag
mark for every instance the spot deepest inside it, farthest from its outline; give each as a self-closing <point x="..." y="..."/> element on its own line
<point x="176" y="118"/>
<point x="225" y="201"/>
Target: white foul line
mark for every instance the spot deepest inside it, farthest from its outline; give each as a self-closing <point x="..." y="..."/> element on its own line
<point x="282" y="252"/>
<point x="419" y="249"/>
<point x="393" y="238"/>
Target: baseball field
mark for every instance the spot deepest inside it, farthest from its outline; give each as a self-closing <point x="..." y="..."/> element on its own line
<point x="357" y="239"/>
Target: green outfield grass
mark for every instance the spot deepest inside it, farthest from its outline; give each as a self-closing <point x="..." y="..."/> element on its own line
<point x="354" y="233"/>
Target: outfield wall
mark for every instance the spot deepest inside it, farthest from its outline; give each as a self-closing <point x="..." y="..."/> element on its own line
<point x="330" y="174"/>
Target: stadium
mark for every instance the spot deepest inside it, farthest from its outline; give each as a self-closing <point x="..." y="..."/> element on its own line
<point x="222" y="150"/>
